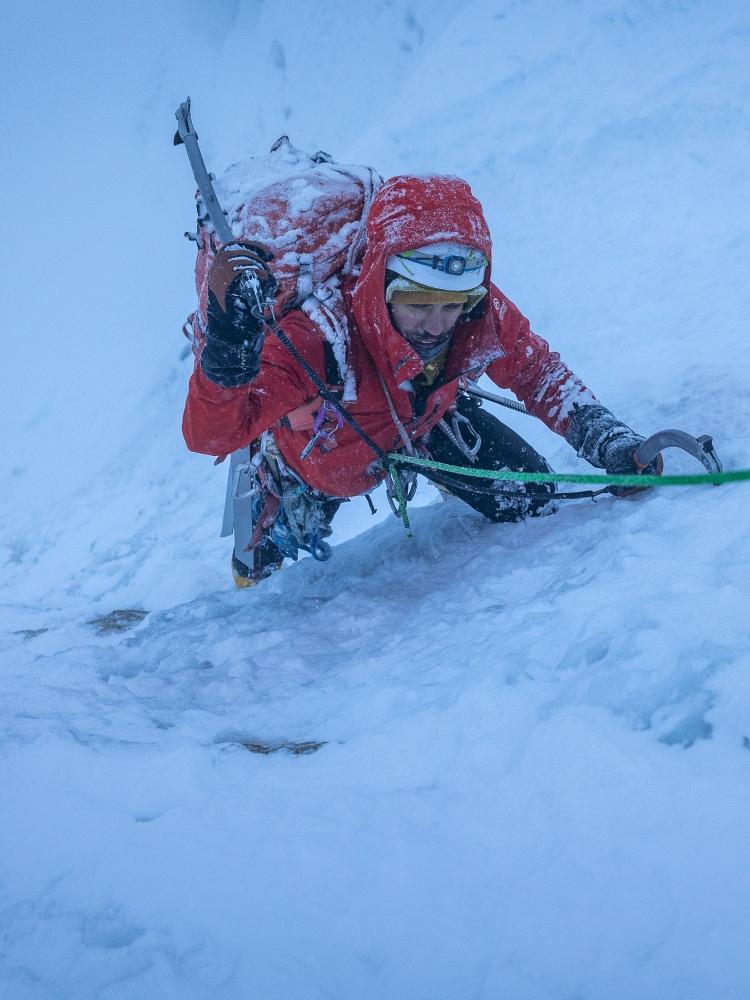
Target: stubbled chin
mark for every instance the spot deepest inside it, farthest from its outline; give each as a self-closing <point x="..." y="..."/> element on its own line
<point x="433" y="342"/>
<point x="430" y="350"/>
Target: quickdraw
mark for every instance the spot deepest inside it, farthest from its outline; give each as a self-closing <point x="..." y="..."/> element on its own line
<point x="327" y="421"/>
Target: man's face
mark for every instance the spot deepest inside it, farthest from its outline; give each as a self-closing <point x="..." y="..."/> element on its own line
<point x="425" y="326"/>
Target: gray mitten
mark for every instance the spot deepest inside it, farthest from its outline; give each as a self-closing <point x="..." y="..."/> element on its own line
<point x="599" y="437"/>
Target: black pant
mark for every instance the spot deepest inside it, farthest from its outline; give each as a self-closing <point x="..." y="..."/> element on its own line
<point x="501" y="448"/>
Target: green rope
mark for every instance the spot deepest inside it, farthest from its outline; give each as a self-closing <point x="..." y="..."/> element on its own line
<point x="398" y="487"/>
<point x="700" y="479"/>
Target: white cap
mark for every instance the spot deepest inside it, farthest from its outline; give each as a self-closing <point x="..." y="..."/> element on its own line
<point x="452" y="266"/>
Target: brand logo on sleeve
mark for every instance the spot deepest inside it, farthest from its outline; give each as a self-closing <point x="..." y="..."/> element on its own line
<point x="500" y="308"/>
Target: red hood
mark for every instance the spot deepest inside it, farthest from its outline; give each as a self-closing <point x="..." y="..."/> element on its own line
<point x="409" y="212"/>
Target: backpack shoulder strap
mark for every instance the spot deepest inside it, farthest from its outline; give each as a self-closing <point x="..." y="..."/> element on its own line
<point x="333" y="374"/>
<point x="303" y="416"/>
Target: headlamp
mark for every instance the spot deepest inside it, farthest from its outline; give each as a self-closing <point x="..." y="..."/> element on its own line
<point x="447" y="265"/>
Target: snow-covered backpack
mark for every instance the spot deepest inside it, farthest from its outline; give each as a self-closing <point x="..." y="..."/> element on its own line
<point x="311" y="213"/>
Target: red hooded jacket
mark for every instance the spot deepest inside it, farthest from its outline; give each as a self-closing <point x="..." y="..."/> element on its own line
<point x="407" y="212"/>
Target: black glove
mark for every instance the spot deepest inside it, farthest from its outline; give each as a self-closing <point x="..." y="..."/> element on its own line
<point x="240" y="283"/>
<point x="599" y="437"/>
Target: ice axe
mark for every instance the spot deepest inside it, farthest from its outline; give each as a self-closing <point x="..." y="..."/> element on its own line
<point x="701" y="448"/>
<point x="187" y="135"/>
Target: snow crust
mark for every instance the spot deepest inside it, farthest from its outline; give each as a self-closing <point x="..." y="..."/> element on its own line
<point x="527" y="746"/>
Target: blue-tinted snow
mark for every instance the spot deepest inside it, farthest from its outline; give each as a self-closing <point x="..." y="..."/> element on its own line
<point x="537" y="742"/>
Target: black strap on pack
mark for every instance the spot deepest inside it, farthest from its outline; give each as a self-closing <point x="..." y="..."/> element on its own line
<point x="267" y="317"/>
<point x="333" y="368"/>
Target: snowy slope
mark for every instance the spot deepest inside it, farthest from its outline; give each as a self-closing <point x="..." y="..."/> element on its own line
<point x="528" y="744"/>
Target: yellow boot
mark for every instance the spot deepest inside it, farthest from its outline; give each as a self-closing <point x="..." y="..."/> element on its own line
<point x="243" y="577"/>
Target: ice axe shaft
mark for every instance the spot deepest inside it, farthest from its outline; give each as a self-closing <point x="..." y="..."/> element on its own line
<point x="186" y="134"/>
<point x="513" y="404"/>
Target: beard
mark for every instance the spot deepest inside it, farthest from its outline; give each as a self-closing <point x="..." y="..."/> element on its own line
<point x="427" y="349"/>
